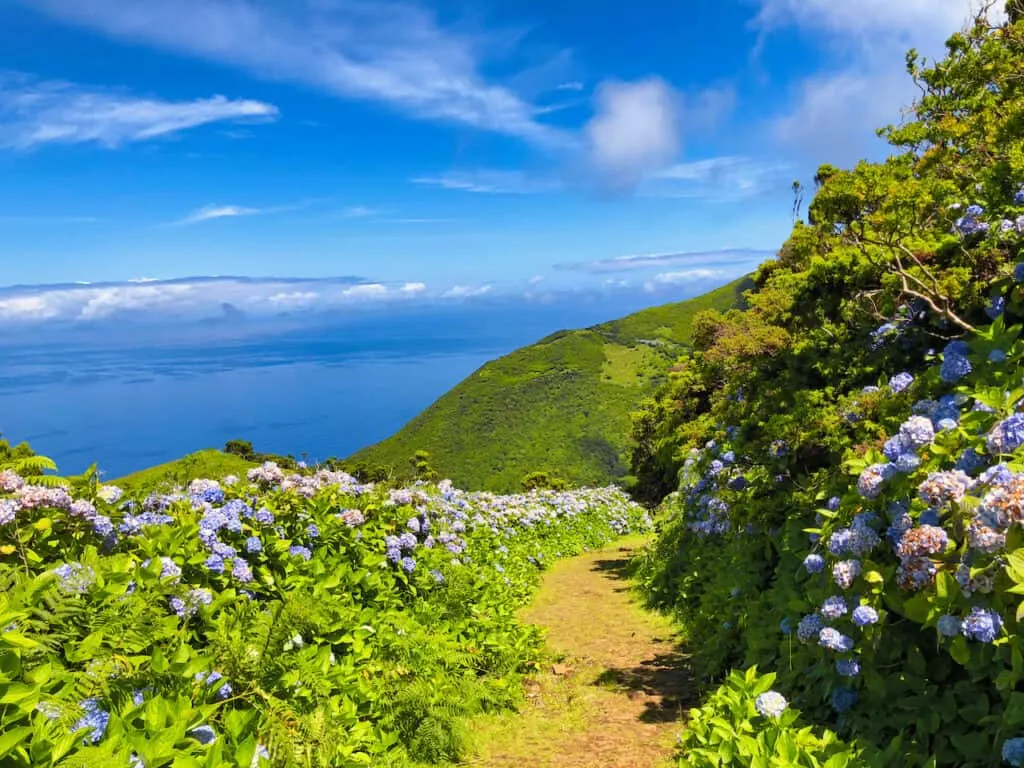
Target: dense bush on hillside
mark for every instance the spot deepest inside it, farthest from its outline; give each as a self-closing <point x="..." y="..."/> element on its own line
<point x="849" y="449"/>
<point x="286" y="619"/>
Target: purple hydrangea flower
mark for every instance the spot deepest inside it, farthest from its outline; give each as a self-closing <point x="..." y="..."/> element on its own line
<point x="1007" y="435"/>
<point x="900" y="382"/>
<point x="845" y="572"/>
<point x="809" y="627"/>
<point x="981" y="625"/>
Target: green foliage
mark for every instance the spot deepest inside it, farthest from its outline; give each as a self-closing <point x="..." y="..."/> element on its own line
<point x="727" y="732"/>
<point x="540" y="480"/>
<point x="335" y="643"/>
<point x="563" y="403"/>
<point x="793" y="403"/>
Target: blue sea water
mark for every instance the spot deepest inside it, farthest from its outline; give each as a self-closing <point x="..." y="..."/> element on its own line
<point x="128" y="398"/>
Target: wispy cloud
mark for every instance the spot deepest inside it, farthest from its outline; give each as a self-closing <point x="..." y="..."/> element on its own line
<point x="210" y="212"/>
<point x="633" y="263"/>
<point x="216" y="211"/>
<point x="724" y="179"/>
<point x="572" y="85"/>
<point x="359" y="212"/>
<point x="36" y="112"/>
<point x="392" y="52"/>
<point x="491" y="182"/>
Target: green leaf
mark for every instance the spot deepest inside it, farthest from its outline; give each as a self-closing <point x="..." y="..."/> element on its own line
<point x="959" y="650"/>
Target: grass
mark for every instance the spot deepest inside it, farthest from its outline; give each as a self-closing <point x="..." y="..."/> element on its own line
<point x="209" y="463"/>
<point x="561" y="405"/>
<point x="616" y="695"/>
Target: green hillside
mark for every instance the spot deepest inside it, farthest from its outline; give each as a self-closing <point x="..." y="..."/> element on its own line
<point x="561" y="405"/>
<point x="209" y="463"/>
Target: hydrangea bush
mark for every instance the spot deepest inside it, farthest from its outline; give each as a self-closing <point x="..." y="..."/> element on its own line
<point x="282" y="619"/>
<point x="865" y="542"/>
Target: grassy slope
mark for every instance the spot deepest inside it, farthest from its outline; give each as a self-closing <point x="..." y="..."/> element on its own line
<point x="560" y="405"/>
<point x="209" y="463"/>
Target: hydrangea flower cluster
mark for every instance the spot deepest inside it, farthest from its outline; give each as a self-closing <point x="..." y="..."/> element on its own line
<point x="771" y="704"/>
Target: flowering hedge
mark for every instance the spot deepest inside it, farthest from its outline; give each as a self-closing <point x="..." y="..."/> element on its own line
<point x="301" y="619"/>
<point x="851" y="447"/>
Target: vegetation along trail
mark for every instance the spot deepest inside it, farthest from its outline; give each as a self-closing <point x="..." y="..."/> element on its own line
<point x="617" y="693"/>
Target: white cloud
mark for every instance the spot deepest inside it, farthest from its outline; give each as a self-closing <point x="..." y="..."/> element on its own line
<point x="536" y="279"/>
<point x="35" y="112"/>
<point x="412" y="289"/>
<point x="572" y="85"/>
<point x="466" y="291"/>
<point x="835" y="112"/>
<point x="677" y="278"/>
<point x="392" y="52"/>
<point x="294" y="299"/>
<point x="366" y="291"/>
<point x="635" y="131"/>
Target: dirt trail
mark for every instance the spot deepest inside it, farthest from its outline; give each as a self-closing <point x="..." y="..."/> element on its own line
<point x="616" y="697"/>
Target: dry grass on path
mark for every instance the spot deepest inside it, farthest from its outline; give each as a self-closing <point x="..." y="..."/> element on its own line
<point x="615" y="698"/>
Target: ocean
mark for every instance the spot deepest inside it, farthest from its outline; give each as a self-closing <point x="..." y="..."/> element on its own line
<point x="129" y="398"/>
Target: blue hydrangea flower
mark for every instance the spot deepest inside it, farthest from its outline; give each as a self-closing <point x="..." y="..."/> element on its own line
<point x="253" y="545"/>
<point x="1013" y="749"/>
<point x="981" y="625"/>
<point x="917" y="432"/>
<point x="94" y="718"/>
<point x="771" y="704"/>
<point x="843" y="699"/>
<point x="834" y="640"/>
<point x="997" y="356"/>
<point x="809" y="627"/>
<point x="312" y="531"/>
<point x="949" y="626"/>
<point x="871" y="480"/>
<point x="1018" y="272"/>
<point x="297" y="550"/>
<point x="970" y="461"/>
<point x="954" y="368"/>
<point x="814" y="563"/>
<point x="1006" y="436"/>
<point x="215" y="564"/>
<point x="74" y="578"/>
<point x="833" y="607"/>
<point x="408" y="564"/>
<point x="863" y="615"/>
<point x="833" y="504"/>
<point x="845" y="572"/>
<point x="848" y="667"/>
<point x="998" y="304"/>
<point x="737" y="483"/>
<point x="438" y="576"/>
<point x="786" y="626"/>
<point x="204" y="734"/>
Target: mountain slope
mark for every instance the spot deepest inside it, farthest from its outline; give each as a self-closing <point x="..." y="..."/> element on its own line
<point x="560" y="405"/>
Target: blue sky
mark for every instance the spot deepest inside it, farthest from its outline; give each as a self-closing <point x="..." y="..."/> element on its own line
<point x="447" y="149"/>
